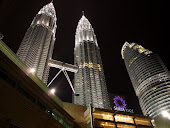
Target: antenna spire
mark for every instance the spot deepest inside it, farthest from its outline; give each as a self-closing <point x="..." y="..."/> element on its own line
<point x="83" y="13"/>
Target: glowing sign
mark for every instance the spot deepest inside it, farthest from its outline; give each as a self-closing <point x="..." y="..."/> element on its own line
<point x="120" y="105"/>
<point x="140" y="46"/>
<point x="119" y="102"/>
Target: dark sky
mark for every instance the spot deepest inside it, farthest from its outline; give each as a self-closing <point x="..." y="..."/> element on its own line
<point x="114" y="22"/>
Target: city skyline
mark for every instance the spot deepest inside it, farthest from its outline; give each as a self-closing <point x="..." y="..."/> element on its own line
<point x="113" y="23"/>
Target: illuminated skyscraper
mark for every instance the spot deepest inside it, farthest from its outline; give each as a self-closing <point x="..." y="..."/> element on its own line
<point x="150" y="78"/>
<point x="89" y="81"/>
<point x="37" y="46"/>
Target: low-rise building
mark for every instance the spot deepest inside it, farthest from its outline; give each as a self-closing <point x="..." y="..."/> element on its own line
<point x="104" y="118"/>
<point x="25" y="99"/>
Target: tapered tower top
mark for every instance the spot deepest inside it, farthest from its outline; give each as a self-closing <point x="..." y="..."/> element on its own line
<point x="84" y="31"/>
<point x="83" y="24"/>
<point x="48" y="10"/>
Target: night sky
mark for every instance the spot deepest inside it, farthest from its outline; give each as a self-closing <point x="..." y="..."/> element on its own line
<point x="114" y="22"/>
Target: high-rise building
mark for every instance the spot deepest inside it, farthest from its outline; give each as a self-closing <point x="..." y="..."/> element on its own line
<point x="150" y="78"/>
<point x="37" y="46"/>
<point x="89" y="81"/>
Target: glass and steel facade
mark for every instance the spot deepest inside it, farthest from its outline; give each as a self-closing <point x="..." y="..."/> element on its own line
<point x="150" y="78"/>
<point x="37" y="45"/>
<point x="89" y="81"/>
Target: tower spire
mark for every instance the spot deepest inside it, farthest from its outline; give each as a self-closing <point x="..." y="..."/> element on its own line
<point x="83" y="13"/>
<point x="84" y="31"/>
<point x="48" y="9"/>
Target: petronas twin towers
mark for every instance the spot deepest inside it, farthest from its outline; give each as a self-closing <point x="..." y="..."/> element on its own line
<point x="36" y="52"/>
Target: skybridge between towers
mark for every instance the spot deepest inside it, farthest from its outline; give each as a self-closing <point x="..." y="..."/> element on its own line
<point x="63" y="67"/>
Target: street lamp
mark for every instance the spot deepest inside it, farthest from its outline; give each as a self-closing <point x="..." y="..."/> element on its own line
<point x="52" y="91"/>
<point x="32" y="70"/>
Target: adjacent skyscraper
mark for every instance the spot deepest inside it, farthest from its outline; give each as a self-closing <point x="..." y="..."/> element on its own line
<point x="150" y="78"/>
<point x="89" y="81"/>
<point x="37" y="45"/>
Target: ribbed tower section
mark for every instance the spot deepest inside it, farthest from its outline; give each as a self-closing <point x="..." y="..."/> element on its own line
<point x="89" y="81"/>
<point x="37" y="46"/>
<point x="150" y="78"/>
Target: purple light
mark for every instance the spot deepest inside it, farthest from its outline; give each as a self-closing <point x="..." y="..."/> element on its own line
<point x="119" y="102"/>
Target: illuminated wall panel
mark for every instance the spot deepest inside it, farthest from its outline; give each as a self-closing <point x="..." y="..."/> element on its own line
<point x="124" y="118"/>
<point x="104" y="124"/>
<point x="141" y="121"/>
<point x="103" y="116"/>
<point x="125" y="126"/>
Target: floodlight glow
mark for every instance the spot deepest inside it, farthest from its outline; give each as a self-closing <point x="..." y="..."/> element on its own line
<point x="165" y="113"/>
<point x="52" y="91"/>
<point x="32" y="70"/>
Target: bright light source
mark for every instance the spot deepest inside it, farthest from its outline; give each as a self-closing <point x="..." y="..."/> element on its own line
<point x="165" y="114"/>
<point x="52" y="91"/>
<point x="31" y="70"/>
